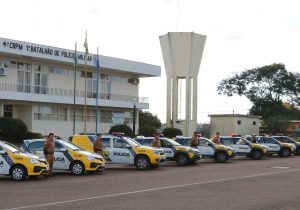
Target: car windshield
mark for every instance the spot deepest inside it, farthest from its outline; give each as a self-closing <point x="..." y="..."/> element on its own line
<point x="132" y="142"/>
<point x="172" y="142"/>
<point x="243" y="141"/>
<point x="135" y="142"/>
<point x="70" y="145"/>
<point x="11" y="147"/>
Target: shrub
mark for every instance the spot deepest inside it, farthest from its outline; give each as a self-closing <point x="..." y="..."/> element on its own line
<point x="147" y="130"/>
<point x="12" y="130"/>
<point x="34" y="135"/>
<point x="172" y="132"/>
<point x="122" y="128"/>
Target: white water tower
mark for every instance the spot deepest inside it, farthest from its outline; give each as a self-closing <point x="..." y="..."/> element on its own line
<point x="182" y="54"/>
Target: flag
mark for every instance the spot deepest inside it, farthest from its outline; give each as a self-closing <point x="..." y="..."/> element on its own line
<point x="86" y="44"/>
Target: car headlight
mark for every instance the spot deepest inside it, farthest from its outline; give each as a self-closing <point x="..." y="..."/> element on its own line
<point x="34" y="161"/>
<point x="90" y="157"/>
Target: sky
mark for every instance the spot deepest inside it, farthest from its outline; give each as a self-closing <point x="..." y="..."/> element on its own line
<point x="241" y="34"/>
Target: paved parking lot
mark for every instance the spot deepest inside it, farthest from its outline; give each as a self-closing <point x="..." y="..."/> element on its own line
<point x="272" y="183"/>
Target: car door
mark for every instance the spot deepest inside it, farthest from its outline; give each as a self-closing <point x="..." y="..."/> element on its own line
<point x="61" y="157"/>
<point x="240" y="146"/>
<point x="121" y="151"/>
<point x="4" y="165"/>
<point x="106" y="147"/>
<point x="272" y="145"/>
<point x="205" y="148"/>
<point x="168" y="148"/>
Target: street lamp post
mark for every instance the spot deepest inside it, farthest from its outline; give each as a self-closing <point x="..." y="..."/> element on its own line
<point x="133" y="127"/>
<point x="135" y="100"/>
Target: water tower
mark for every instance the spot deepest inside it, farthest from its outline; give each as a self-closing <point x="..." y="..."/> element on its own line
<point x="182" y="54"/>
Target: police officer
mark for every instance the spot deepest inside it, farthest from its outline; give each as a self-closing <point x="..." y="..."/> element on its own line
<point x="98" y="145"/>
<point x="216" y="138"/>
<point x="195" y="140"/>
<point x="156" y="141"/>
<point x="49" y="147"/>
<point x="253" y="138"/>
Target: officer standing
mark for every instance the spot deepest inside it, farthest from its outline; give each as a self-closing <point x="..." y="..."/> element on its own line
<point x="195" y="140"/>
<point x="156" y="141"/>
<point x="98" y="145"/>
<point x="49" y="147"/>
<point x="216" y="138"/>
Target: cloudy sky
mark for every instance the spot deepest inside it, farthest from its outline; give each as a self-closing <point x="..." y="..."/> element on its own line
<point x="241" y="34"/>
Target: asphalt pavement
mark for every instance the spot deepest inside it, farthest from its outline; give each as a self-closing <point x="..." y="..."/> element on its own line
<point x="272" y="183"/>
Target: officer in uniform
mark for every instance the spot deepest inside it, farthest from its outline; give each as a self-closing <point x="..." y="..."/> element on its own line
<point x="98" y="145"/>
<point x="49" y="147"/>
<point x="216" y="138"/>
<point x="195" y="140"/>
<point x="156" y="141"/>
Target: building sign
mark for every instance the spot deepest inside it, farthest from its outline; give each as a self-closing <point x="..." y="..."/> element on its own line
<point x="46" y="52"/>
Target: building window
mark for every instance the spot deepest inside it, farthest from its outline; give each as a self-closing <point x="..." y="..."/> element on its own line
<point x="254" y="122"/>
<point x="8" y="111"/>
<point x="78" y="114"/>
<point x="50" y="113"/>
<point x="239" y="122"/>
<point x="293" y="127"/>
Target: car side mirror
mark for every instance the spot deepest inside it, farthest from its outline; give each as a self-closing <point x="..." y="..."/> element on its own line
<point x="2" y="152"/>
<point x="210" y="144"/>
<point x="127" y="146"/>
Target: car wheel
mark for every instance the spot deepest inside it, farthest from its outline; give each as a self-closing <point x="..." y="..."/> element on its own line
<point x="77" y="168"/>
<point x="256" y="155"/>
<point x="285" y="152"/>
<point x="142" y="162"/>
<point x="182" y="159"/>
<point x="221" y="157"/>
<point x="18" y="173"/>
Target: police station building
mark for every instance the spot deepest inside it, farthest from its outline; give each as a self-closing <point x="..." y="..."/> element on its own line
<point x="37" y="86"/>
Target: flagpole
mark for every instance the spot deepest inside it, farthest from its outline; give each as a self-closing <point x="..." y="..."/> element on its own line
<point x="85" y="73"/>
<point x="97" y="92"/>
<point x="74" y="105"/>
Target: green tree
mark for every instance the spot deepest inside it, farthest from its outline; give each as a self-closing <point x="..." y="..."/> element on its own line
<point x="123" y="128"/>
<point x="172" y="132"/>
<point x="277" y="124"/>
<point x="146" y="118"/>
<point x="147" y="130"/>
<point x="12" y="130"/>
<point x="266" y="87"/>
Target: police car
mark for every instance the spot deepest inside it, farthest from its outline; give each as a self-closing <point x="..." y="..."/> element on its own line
<point x="67" y="156"/>
<point x="220" y="153"/>
<point x="18" y="165"/>
<point x="274" y="146"/>
<point x="123" y="150"/>
<point x="243" y="147"/>
<point x="183" y="155"/>
<point x="286" y="139"/>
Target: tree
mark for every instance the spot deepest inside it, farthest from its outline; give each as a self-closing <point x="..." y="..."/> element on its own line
<point x="123" y="128"/>
<point x="146" y="118"/>
<point x="172" y="132"/>
<point x="12" y="130"/>
<point x="266" y="87"/>
<point x="277" y="124"/>
<point x="148" y="123"/>
<point x="147" y="130"/>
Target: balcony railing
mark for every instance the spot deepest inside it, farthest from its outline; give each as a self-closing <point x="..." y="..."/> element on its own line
<point x="32" y="89"/>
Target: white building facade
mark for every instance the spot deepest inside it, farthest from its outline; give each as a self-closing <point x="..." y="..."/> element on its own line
<point x="37" y="86"/>
<point x="227" y="124"/>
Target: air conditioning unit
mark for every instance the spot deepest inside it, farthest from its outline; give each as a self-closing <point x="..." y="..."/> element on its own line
<point x="3" y="71"/>
<point x="135" y="81"/>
